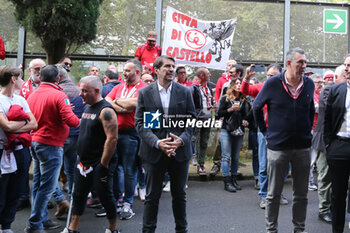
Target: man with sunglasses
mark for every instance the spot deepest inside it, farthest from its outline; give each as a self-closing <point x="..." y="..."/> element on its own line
<point x="33" y="81"/>
<point x="67" y="62"/>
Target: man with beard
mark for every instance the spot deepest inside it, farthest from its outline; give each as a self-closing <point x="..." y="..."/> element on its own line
<point x="165" y="149"/>
<point x="27" y="88"/>
<point x="149" y="51"/>
<point x="123" y="98"/>
<point x="33" y="81"/>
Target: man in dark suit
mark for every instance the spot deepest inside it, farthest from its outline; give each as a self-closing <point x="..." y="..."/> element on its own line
<point x="166" y="148"/>
<point x="324" y="181"/>
<point x="337" y="141"/>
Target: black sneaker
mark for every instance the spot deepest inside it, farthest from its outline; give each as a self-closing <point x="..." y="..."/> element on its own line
<point x="49" y="225"/>
<point x="94" y="203"/>
<point x="50" y="205"/>
<point x="23" y="204"/>
<point x="101" y="213"/>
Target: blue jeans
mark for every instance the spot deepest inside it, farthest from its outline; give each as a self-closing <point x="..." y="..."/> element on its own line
<point x="253" y="145"/>
<point x="230" y="146"/>
<point x="262" y="153"/>
<point x="47" y="162"/>
<point x="141" y="176"/>
<point x="127" y="149"/>
<point x="26" y="159"/>
<point x="70" y="161"/>
<point x="11" y="187"/>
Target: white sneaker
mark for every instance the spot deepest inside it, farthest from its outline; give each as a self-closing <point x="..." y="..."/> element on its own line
<point x="65" y="230"/>
<point x="283" y="200"/>
<point x="127" y="212"/>
<point x="167" y="187"/>
<point x="312" y="187"/>
<point x="109" y="231"/>
<point x="6" y="231"/>
<point x="142" y="194"/>
<point x="136" y="193"/>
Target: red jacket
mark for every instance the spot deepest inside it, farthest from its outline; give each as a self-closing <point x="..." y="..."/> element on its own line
<point x="221" y="81"/>
<point x="2" y="49"/>
<point x="52" y="110"/>
<point x="26" y="89"/>
<point x="16" y="113"/>
<point x="253" y="90"/>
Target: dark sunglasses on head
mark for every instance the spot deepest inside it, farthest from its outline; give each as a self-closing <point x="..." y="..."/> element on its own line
<point x="68" y="64"/>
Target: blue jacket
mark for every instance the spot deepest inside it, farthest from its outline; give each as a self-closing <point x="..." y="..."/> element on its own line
<point x="289" y="120"/>
<point x="108" y="87"/>
<point x="72" y="91"/>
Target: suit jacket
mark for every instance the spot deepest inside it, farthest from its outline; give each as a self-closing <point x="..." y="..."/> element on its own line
<point x="317" y="139"/>
<point x="334" y="118"/>
<point x="181" y="103"/>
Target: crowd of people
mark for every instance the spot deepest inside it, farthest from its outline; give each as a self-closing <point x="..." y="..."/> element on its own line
<point x="96" y="130"/>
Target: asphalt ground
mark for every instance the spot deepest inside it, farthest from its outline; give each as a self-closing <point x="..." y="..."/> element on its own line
<point x="210" y="209"/>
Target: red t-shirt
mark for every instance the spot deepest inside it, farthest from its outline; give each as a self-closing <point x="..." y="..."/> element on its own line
<point x="126" y="120"/>
<point x="148" y="54"/>
<point x="187" y="83"/>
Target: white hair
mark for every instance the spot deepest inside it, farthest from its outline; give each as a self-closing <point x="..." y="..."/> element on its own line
<point x="35" y="60"/>
<point x="93" y="80"/>
<point x="339" y="70"/>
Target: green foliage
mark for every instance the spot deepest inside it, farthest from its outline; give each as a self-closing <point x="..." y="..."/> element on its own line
<point x="59" y="23"/>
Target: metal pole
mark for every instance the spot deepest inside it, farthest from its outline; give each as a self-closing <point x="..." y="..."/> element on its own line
<point x="286" y="30"/>
<point x="21" y="47"/>
<point x="348" y="31"/>
<point x="159" y="11"/>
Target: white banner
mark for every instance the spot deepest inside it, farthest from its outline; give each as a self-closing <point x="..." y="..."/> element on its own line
<point x="197" y="42"/>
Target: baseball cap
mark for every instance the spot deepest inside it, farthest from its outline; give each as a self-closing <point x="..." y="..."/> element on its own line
<point x="328" y="75"/>
<point x="151" y="35"/>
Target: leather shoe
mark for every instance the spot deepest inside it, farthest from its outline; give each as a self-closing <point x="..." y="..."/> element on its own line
<point x="23" y="204"/>
<point x="327" y="217"/>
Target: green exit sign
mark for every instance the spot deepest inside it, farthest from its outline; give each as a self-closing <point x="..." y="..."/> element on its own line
<point x="335" y="21"/>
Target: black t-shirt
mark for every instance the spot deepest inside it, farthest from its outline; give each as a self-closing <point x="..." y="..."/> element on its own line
<point x="92" y="137"/>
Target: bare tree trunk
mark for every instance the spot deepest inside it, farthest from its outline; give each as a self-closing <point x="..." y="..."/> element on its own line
<point x="55" y="50"/>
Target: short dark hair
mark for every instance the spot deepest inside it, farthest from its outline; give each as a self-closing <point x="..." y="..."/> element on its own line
<point x="6" y="73"/>
<point x="239" y="68"/>
<point x="112" y="75"/>
<point x="137" y="64"/>
<point x="49" y="73"/>
<point x="62" y="59"/>
<point x="275" y="66"/>
<point x="160" y="60"/>
<point x="179" y="68"/>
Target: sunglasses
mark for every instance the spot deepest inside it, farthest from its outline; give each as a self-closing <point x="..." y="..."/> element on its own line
<point x="68" y="64"/>
<point x="37" y="69"/>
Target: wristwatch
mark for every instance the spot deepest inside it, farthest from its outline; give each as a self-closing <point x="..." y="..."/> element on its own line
<point x="122" y="110"/>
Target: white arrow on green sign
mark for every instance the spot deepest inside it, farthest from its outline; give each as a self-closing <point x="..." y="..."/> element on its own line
<point x="335" y="21"/>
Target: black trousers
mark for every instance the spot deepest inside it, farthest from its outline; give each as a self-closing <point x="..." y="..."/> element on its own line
<point x="178" y="172"/>
<point x="339" y="170"/>
<point x="101" y="178"/>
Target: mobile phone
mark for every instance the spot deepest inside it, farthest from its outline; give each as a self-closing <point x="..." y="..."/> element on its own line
<point x="258" y="68"/>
